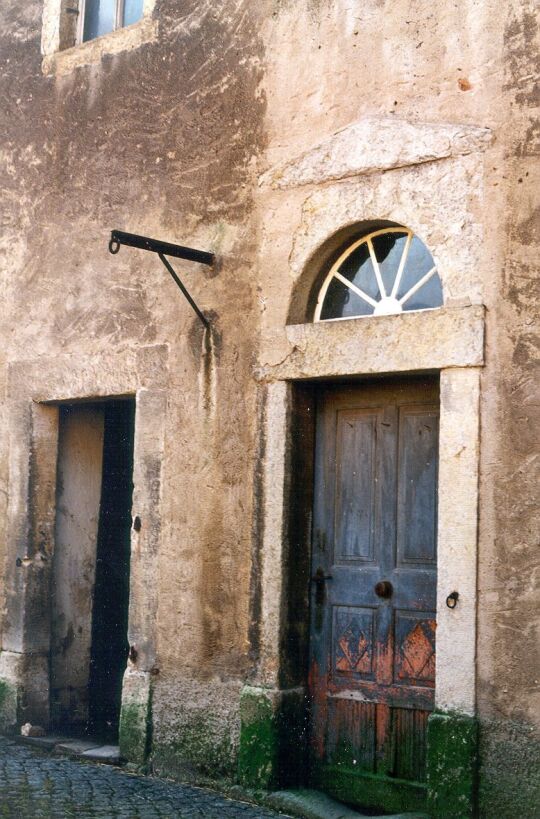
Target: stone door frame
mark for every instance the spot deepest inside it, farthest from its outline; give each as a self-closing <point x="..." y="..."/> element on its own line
<point x="35" y="391"/>
<point x="449" y="341"/>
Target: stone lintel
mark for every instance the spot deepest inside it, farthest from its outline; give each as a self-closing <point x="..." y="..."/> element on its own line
<point x="409" y="342"/>
<point x="377" y="144"/>
<point x="104" y="374"/>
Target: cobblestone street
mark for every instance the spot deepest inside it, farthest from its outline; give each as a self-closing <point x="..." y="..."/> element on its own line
<point x="35" y="785"/>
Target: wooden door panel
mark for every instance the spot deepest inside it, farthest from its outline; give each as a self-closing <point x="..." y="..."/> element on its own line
<point x="351" y="737"/>
<point x="356" y="489"/>
<point x="373" y="646"/>
<point x="414" y="657"/>
<point x="417" y="486"/>
<point x="409" y="743"/>
<point x="353" y="641"/>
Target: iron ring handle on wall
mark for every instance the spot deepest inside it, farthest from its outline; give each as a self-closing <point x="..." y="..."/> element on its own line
<point x="451" y="600"/>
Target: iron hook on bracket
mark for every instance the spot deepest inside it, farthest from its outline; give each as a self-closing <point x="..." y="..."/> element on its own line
<point x="120" y="237"/>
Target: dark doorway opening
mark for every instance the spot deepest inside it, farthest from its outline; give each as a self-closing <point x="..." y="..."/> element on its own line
<point x="109" y="648"/>
<point x="90" y="599"/>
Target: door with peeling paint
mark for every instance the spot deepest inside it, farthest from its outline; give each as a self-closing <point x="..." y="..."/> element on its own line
<point x="373" y="591"/>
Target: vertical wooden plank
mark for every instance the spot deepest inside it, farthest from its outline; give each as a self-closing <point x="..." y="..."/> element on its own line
<point x="417" y="485"/>
<point x="354" y="510"/>
<point x="409" y="741"/>
<point x="351" y="734"/>
<point x="383" y="753"/>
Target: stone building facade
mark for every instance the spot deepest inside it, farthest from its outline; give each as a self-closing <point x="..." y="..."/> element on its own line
<point x="274" y="135"/>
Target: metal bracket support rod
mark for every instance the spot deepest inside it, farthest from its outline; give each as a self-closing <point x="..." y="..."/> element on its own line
<point x="183" y="289"/>
<point x="120" y="237"/>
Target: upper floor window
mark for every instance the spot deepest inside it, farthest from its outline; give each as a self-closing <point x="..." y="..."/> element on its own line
<point x="98" y="17"/>
<point x="386" y="272"/>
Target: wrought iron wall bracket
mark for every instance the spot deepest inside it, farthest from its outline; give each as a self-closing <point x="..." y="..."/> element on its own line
<point x="119" y="237"/>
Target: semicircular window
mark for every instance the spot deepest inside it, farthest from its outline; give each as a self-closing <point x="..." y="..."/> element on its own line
<point x="386" y="272"/>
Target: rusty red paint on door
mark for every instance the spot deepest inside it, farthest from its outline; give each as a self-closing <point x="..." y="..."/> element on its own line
<point x="373" y="598"/>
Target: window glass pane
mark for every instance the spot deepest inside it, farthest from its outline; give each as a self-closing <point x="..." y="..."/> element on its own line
<point x="132" y="11"/>
<point x="388" y="251"/>
<point x="357" y="268"/>
<point x="429" y="295"/>
<point x="98" y="18"/>
<point x="419" y="261"/>
<point x="341" y="302"/>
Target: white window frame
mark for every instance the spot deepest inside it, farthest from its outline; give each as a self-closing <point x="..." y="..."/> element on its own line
<point x="387" y="303"/>
<point x="64" y="50"/>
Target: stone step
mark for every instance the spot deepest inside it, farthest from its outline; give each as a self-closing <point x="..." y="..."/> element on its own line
<point x="311" y="804"/>
<point x="89" y="749"/>
<point x="109" y="754"/>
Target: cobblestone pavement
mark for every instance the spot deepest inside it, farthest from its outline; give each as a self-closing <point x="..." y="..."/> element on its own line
<point x="34" y="785"/>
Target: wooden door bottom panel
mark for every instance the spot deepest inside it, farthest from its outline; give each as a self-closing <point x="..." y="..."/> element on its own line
<point x="376" y="739"/>
<point x="371" y="791"/>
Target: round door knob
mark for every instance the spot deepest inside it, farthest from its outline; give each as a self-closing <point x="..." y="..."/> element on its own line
<point x="384" y="589"/>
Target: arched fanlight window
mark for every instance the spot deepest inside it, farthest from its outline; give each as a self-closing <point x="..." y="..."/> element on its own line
<point x="386" y="272"/>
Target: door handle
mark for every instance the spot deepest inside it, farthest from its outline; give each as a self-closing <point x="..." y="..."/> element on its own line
<point x="320" y="578"/>
<point x="384" y="589"/>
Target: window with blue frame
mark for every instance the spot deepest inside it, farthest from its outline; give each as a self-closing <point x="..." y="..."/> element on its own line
<point x="103" y="16"/>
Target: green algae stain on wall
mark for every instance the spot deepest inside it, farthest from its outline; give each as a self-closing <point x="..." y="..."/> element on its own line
<point x="135" y="732"/>
<point x="197" y="749"/>
<point x="452" y="743"/>
<point x="259" y="740"/>
<point x="8" y="705"/>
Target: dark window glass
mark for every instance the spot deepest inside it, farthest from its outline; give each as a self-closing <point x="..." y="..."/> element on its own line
<point x="358" y="269"/>
<point x="343" y="302"/>
<point x="388" y="251"/>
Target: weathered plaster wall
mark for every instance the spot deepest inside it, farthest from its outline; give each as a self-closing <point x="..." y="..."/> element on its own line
<point x="179" y="138"/>
<point x="159" y="140"/>
<point x="509" y="565"/>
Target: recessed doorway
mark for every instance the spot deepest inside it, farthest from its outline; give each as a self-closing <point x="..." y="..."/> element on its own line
<point x="90" y="577"/>
<point x="373" y="590"/>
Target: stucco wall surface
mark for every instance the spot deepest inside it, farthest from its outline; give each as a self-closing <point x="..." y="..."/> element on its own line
<point x="189" y="137"/>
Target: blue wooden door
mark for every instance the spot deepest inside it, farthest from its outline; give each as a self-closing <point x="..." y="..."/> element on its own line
<point x="373" y="597"/>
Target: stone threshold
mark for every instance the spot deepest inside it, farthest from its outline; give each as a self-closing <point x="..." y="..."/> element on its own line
<point x="311" y="804"/>
<point x="84" y="749"/>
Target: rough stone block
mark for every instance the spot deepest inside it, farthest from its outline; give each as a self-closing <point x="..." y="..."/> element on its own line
<point x="135" y="716"/>
<point x="272" y="742"/>
<point x="452" y="763"/>
<point x="259" y="738"/>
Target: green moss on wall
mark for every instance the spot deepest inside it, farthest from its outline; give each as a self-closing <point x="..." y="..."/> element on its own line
<point x="452" y="743"/>
<point x="8" y="705"/>
<point x="201" y="746"/>
<point x="135" y="732"/>
<point x="273" y="735"/>
<point x="258" y="757"/>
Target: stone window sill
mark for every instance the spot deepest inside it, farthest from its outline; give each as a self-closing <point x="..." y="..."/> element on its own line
<point x="91" y="52"/>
